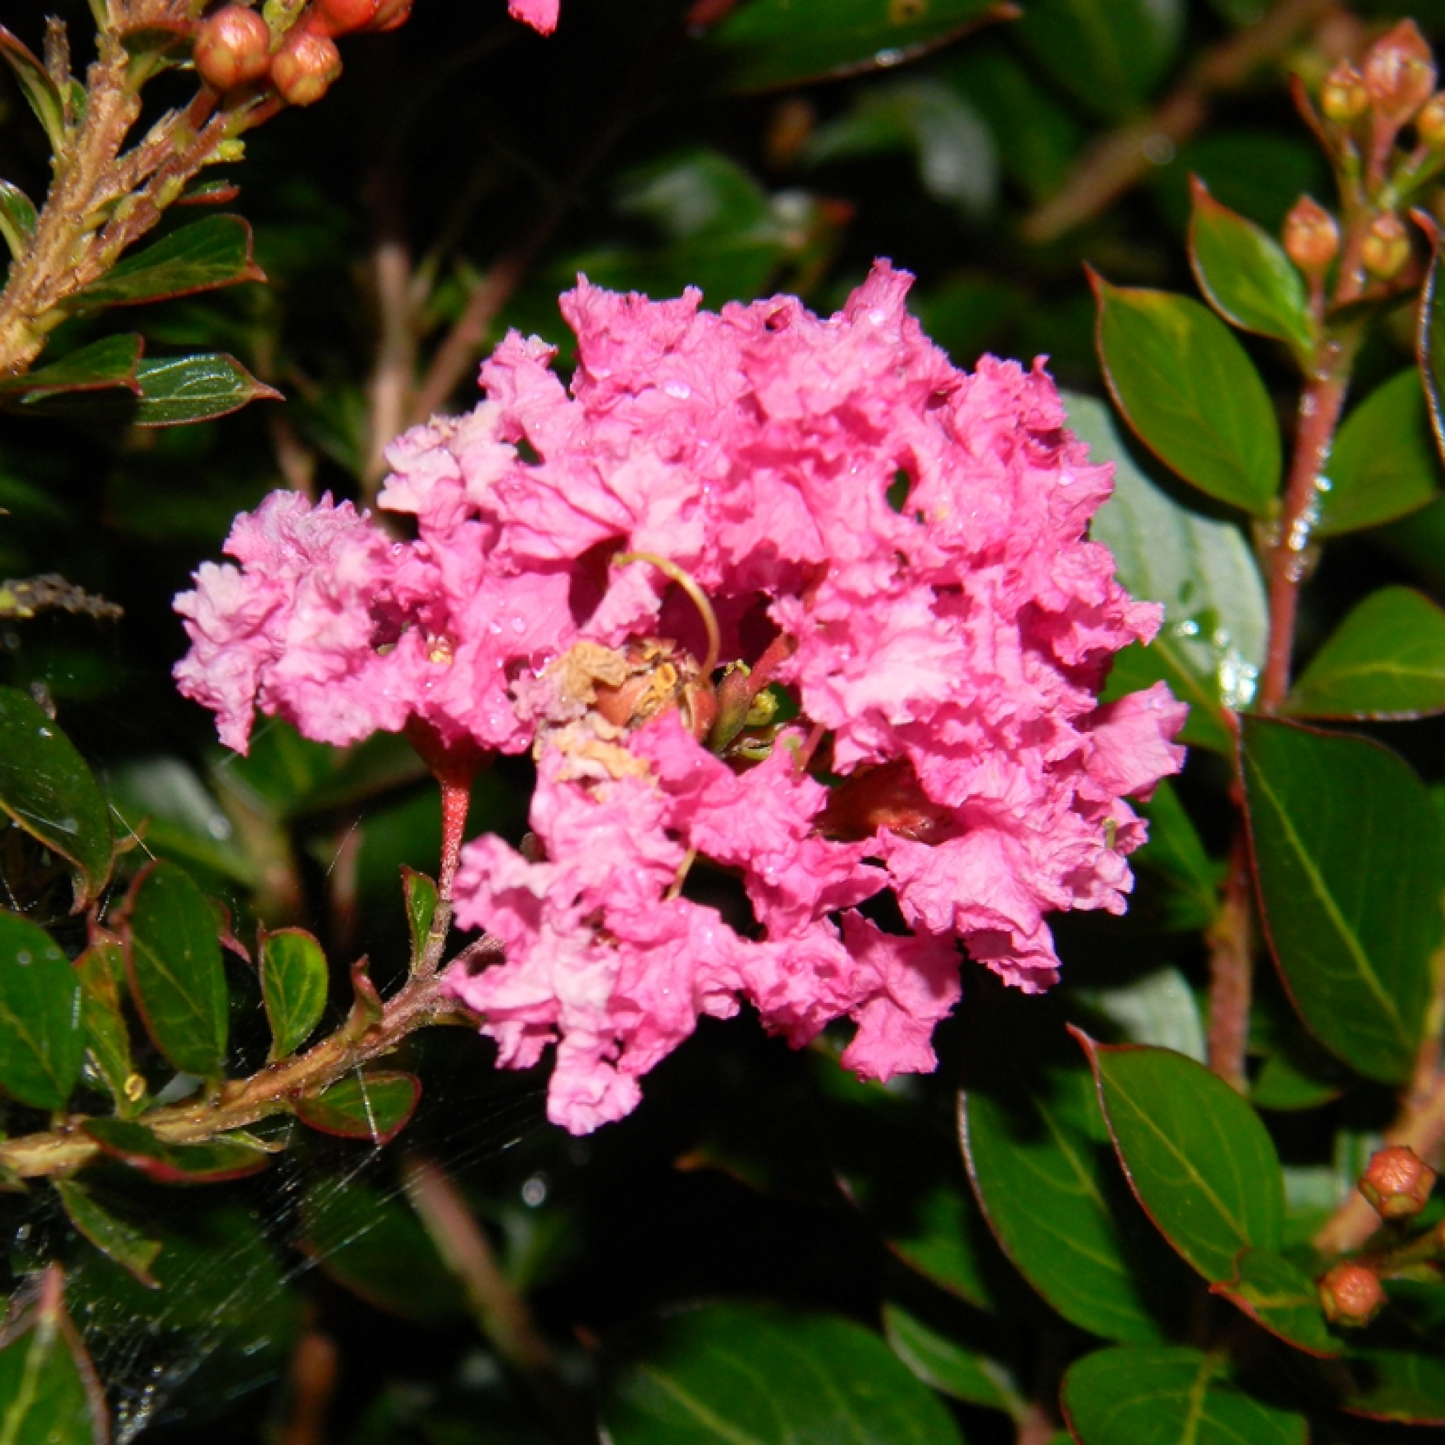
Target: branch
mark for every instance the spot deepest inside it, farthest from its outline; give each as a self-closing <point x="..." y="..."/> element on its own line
<point x="1119" y="161"/>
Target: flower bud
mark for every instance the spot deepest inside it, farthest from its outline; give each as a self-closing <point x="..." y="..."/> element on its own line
<point x="1386" y="247"/>
<point x="341" y="17"/>
<point x="233" y="48"/>
<point x="305" y="66"/>
<point x="1343" y="96"/>
<point x="390" y="14"/>
<point x="1399" y="73"/>
<point x="1351" y="1294"/>
<point x="1397" y="1182"/>
<point x="1430" y="123"/>
<point x="1311" y="236"/>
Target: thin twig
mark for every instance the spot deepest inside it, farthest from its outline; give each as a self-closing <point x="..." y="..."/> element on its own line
<point x="1231" y="972"/>
<point x="1122" y="159"/>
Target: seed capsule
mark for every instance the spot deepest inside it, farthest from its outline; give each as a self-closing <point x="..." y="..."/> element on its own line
<point x="305" y="66"/>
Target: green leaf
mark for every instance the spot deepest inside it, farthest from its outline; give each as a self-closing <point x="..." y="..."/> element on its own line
<point x="293" y="987"/>
<point x="1190" y="392"/>
<point x="101" y="970"/>
<point x="1195" y="1153"/>
<point x="185" y="389"/>
<point x="1408" y="1386"/>
<point x="1109" y="57"/>
<point x="47" y="789"/>
<point x="1349" y="862"/>
<point x="1216" y="615"/>
<point x="1039" y="1158"/>
<point x="767" y="44"/>
<point x="108" y="363"/>
<point x="42" y="1045"/>
<point x="1279" y="1295"/>
<point x="420" y="893"/>
<point x="1157" y="1008"/>
<point x="764" y="1375"/>
<point x="1430" y="332"/>
<point x="1168" y="1396"/>
<point x="946" y="1366"/>
<point x="177" y="979"/>
<point x="127" y="1246"/>
<point x="1384" y="462"/>
<point x="228" y="1157"/>
<point x="1386" y="660"/>
<point x="199" y="257"/>
<point x="372" y="1244"/>
<point x="49" y="1394"/>
<point x="946" y="1241"/>
<point x="39" y="89"/>
<point x="372" y="1106"/>
<point x="1246" y="276"/>
<point x="17" y="218"/>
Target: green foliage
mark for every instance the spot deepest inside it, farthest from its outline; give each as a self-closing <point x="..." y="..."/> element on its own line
<point x="768" y="1249"/>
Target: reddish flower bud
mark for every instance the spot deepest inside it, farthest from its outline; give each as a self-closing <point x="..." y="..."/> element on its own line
<point x="233" y="48"/>
<point x="1343" y="96"/>
<point x="390" y="14"/>
<point x="1311" y="237"/>
<point x="1386" y="247"/>
<point x="1351" y="1294"/>
<point x="1430" y="123"/>
<point x="1399" y="73"/>
<point x="305" y="66"/>
<point x="341" y="17"/>
<point x="1397" y="1182"/>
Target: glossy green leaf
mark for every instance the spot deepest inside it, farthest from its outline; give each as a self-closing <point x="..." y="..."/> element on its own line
<point x="101" y="972"/>
<point x="42" y="1043"/>
<point x="1041" y="1167"/>
<point x="110" y="362"/>
<point x="39" y="89"/>
<point x="185" y="389"/>
<point x="1349" y="861"/>
<point x="1212" y="643"/>
<point x="48" y="790"/>
<point x="1109" y="57"/>
<point x="123" y="1243"/>
<point x="293" y="986"/>
<point x="1246" y="276"/>
<point x="420" y="893"/>
<point x="1168" y="1396"/>
<point x="1191" y="393"/>
<point x="1403" y="1385"/>
<point x="1384" y="462"/>
<point x="1386" y="660"/>
<point x="1279" y="1295"/>
<point x="767" y="44"/>
<point x="199" y="257"/>
<point x="735" y="1374"/>
<point x="17" y="218"/>
<point x="227" y="1157"/>
<point x="177" y="979"/>
<point x="1430" y="333"/>
<point x="946" y="1366"/>
<point x="1157" y="1008"/>
<point x="49" y="1394"/>
<point x="372" y="1106"/>
<point x="1195" y="1153"/>
<point x="374" y="1245"/>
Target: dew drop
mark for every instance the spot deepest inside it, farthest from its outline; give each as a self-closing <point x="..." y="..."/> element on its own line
<point x="45" y="732"/>
<point x="23" y="958"/>
<point x="678" y="390"/>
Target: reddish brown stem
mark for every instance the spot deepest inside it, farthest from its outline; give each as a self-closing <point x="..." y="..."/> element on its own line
<point x="1231" y="973"/>
<point x="1319" y="415"/>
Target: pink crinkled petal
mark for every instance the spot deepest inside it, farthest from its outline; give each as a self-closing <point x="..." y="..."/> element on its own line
<point x="541" y="15"/>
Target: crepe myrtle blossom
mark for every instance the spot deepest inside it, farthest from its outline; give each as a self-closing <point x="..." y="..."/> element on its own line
<point x="541" y="15"/>
<point x="785" y="598"/>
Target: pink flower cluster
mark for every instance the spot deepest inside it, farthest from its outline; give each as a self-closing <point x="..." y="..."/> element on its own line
<point x="541" y="15"/>
<point x="898" y="548"/>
